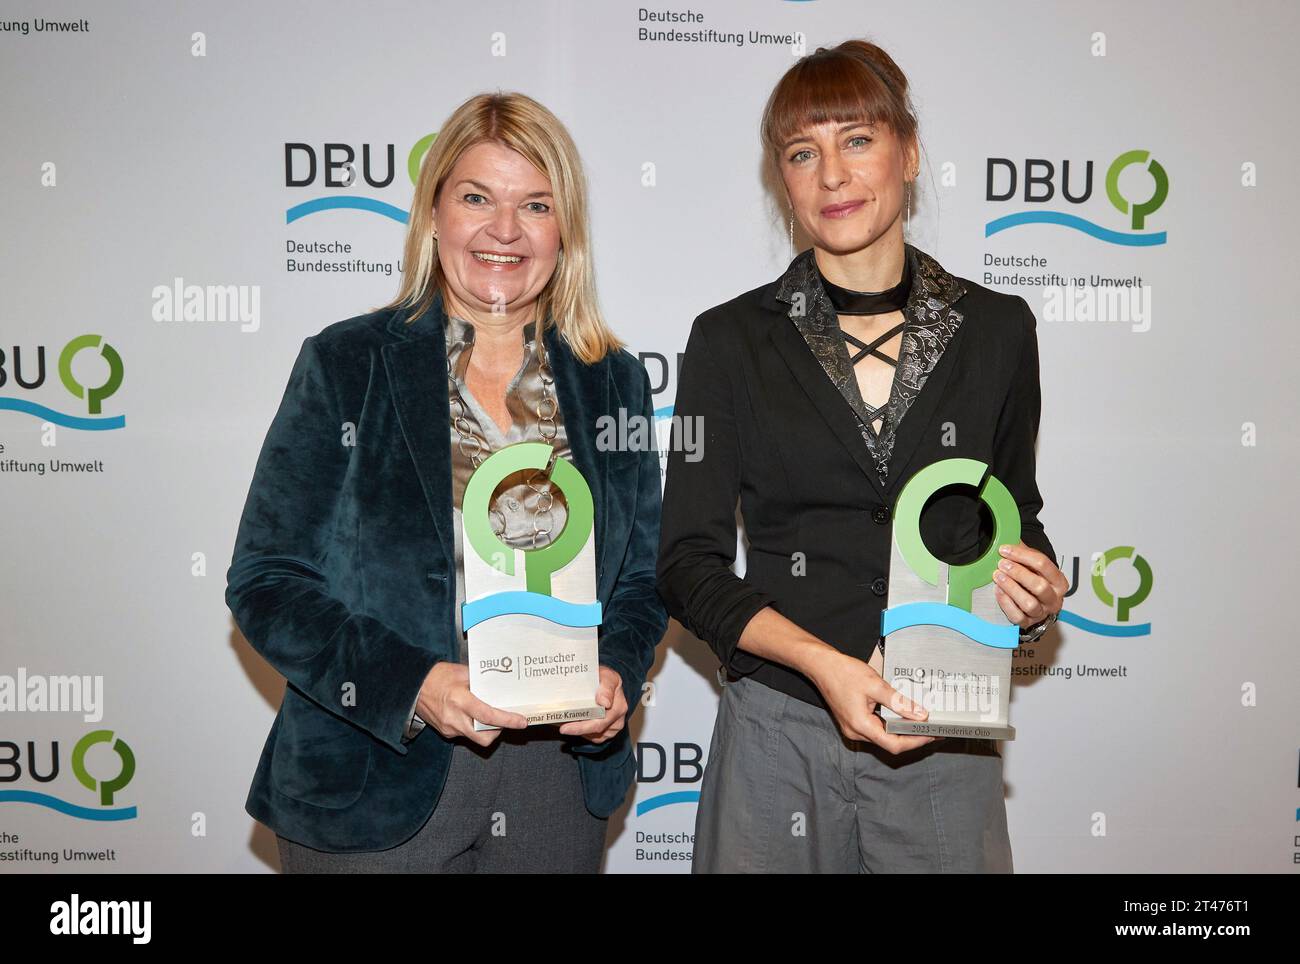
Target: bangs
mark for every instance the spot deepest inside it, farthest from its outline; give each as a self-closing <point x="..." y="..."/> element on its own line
<point x="828" y="88"/>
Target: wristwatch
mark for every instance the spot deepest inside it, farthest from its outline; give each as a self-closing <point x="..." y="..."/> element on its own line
<point x="1035" y="632"/>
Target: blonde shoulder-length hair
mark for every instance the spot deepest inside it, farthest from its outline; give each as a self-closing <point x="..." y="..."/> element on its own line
<point x="522" y="124"/>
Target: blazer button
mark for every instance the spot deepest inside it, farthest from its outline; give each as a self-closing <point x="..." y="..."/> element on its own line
<point x="880" y="514"/>
<point x="879" y="585"/>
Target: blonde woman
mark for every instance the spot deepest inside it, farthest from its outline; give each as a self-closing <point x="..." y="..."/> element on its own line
<point x="348" y="568"/>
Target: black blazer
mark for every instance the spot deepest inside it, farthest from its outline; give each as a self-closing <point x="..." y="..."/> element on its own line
<point x="781" y="438"/>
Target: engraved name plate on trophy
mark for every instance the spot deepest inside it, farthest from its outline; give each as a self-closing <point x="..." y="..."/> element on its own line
<point x="947" y="643"/>
<point x="531" y="616"/>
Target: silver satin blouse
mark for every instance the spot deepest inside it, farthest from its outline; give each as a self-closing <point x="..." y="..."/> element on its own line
<point x="516" y="502"/>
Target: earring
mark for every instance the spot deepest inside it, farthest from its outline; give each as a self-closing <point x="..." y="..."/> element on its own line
<point x="908" y="227"/>
<point x="792" y="232"/>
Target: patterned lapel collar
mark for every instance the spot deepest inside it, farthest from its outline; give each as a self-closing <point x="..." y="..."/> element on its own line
<point x="931" y="322"/>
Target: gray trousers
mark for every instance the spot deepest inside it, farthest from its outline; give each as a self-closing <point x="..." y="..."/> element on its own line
<point x="516" y="807"/>
<point x="785" y="792"/>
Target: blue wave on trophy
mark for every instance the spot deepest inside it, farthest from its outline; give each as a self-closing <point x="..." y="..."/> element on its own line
<point x="530" y="604"/>
<point x="950" y="617"/>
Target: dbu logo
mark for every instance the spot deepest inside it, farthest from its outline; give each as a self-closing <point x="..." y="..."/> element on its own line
<point x="13" y="373"/>
<point x="334" y="166"/>
<point x="654" y="765"/>
<point x="1121" y="606"/>
<point x="106" y="788"/>
<point x="1039" y="177"/>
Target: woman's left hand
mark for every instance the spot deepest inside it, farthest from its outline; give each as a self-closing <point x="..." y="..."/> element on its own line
<point x="609" y="695"/>
<point x="1028" y="585"/>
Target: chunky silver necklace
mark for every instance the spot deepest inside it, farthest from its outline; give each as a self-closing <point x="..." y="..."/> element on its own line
<point x="475" y="448"/>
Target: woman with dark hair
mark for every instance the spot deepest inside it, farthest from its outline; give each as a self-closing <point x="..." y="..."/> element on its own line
<point x="820" y="393"/>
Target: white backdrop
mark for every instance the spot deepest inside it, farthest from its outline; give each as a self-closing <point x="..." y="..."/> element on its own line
<point x="150" y="145"/>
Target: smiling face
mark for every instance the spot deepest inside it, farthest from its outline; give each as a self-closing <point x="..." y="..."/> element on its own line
<point x="846" y="183"/>
<point x="498" y="236"/>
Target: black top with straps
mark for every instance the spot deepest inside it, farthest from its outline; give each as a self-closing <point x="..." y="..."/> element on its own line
<point x="846" y="301"/>
<point x="768" y="372"/>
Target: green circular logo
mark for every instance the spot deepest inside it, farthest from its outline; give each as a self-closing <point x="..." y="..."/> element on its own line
<point x="94" y="396"/>
<point x="105" y="788"/>
<point x="1140" y="210"/>
<point x="539" y="564"/>
<point x="962" y="580"/>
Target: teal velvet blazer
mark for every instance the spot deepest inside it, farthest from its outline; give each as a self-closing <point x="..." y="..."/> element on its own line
<point x="343" y="574"/>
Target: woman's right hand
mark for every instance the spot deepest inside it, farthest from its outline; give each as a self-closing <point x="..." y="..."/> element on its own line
<point x="852" y="689"/>
<point x="446" y="704"/>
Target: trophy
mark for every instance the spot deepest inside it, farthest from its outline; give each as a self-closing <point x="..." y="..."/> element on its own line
<point x="947" y="644"/>
<point x="531" y="617"/>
